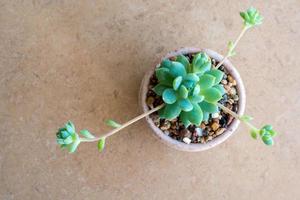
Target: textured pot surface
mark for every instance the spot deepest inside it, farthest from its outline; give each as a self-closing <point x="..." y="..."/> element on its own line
<point x="199" y="146"/>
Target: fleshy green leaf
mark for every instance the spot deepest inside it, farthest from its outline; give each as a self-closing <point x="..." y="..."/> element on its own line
<point x="206" y="81"/>
<point x="86" y="134"/>
<point x="161" y="113"/>
<point x="195" y="116"/>
<point x="188" y="84"/>
<point x="177" y="69"/>
<point x="268" y="127"/>
<point x="60" y="141"/>
<point x="196" y="90"/>
<point x="73" y="146"/>
<point x="164" y="77"/>
<point x="183" y="92"/>
<point x="217" y="74"/>
<point x="169" y="96"/>
<point x="184" y="119"/>
<point x="273" y="133"/>
<point x="246" y="118"/>
<point x="191" y="77"/>
<point x="185" y="105"/>
<point x="267" y="139"/>
<point x="177" y="81"/>
<point x="183" y="60"/>
<point x="159" y="89"/>
<point x="64" y="134"/>
<point x="201" y="63"/>
<point x="208" y="107"/>
<point x="205" y="116"/>
<point x="211" y="95"/>
<point x="101" y="144"/>
<point x="231" y="51"/>
<point x="221" y="89"/>
<point x="68" y="140"/>
<point x="196" y="98"/>
<point x="113" y="124"/>
<point x="262" y="132"/>
<point x="171" y="111"/>
<point x="166" y="63"/>
<point x="70" y="127"/>
<point x="253" y="134"/>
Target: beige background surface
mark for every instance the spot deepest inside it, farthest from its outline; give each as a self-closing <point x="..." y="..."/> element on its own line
<point x="84" y="60"/>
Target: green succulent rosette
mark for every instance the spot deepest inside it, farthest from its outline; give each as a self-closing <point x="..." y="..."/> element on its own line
<point x="190" y="90"/>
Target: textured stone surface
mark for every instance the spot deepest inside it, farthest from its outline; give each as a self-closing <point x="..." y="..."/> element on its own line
<point x="84" y="60"/>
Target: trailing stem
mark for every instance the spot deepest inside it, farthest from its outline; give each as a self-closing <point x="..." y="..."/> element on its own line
<point x="238" y="117"/>
<point x="123" y="125"/>
<point x="232" y="47"/>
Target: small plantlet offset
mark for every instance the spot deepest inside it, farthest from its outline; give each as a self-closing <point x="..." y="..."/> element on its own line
<point x="251" y="18"/>
<point x="68" y="138"/>
<point x="190" y="90"/>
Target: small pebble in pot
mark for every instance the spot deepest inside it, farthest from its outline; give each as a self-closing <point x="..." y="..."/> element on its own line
<point x="222" y="67"/>
<point x="235" y="97"/>
<point x="215" y="115"/>
<point x="234" y="82"/>
<point x="205" y="133"/>
<point x="220" y="131"/>
<point x="229" y="106"/>
<point x="209" y="138"/>
<point x="187" y="140"/>
<point x="215" y="126"/>
<point x="213" y="61"/>
<point x="155" y="119"/>
<point x="231" y="101"/>
<point x="232" y="91"/>
<point x="202" y="140"/>
<point x="165" y="126"/>
<point x="202" y="126"/>
<point x="216" y="120"/>
<point x="150" y="101"/>
<point x="227" y="88"/>
<point x="230" y="79"/>
<point x="185" y="133"/>
<point x="224" y="82"/>
<point x="199" y="132"/>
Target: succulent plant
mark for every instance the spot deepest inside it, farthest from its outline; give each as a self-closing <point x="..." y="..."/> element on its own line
<point x="190" y="90"/>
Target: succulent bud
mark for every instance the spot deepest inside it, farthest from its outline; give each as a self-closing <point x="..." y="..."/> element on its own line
<point x="251" y="17"/>
<point x="67" y="137"/>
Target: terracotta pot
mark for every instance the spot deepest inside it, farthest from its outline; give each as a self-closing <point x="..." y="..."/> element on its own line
<point x="219" y="139"/>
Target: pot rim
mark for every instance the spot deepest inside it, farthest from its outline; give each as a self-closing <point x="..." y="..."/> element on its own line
<point x="195" y="147"/>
